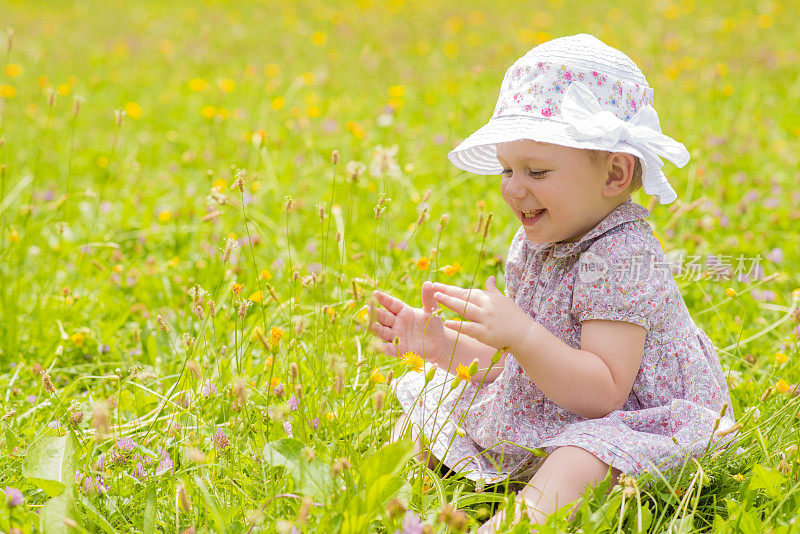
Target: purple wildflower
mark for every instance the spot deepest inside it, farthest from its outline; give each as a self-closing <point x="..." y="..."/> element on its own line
<point x="287" y="427"/>
<point x="221" y="441"/>
<point x="89" y="484"/>
<point x="775" y="255"/>
<point x="292" y="404"/>
<point x="31" y="399"/>
<point x="315" y="423"/>
<point x="13" y="497"/>
<point x="411" y="524"/>
<point x="138" y="471"/>
<point x="126" y="444"/>
<point x="208" y="388"/>
<point x="165" y="463"/>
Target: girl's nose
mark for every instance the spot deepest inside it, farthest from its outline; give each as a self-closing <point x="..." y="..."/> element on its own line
<point x="516" y="187"/>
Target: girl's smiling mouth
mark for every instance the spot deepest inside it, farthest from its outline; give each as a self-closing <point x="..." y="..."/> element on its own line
<point x="531" y="217"/>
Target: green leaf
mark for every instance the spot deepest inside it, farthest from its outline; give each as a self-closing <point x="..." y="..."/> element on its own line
<point x="769" y="480"/>
<point x="96" y="516"/>
<point x="53" y="514"/>
<point x="150" y="511"/>
<point x="313" y="479"/>
<point x="49" y="464"/>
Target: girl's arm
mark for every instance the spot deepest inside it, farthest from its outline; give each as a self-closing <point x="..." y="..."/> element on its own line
<point x="591" y="381"/>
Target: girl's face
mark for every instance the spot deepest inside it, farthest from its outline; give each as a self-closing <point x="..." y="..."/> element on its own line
<point x="555" y="191"/>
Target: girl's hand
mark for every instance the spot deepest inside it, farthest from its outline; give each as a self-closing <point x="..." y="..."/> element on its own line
<point x="416" y="329"/>
<point x="492" y="318"/>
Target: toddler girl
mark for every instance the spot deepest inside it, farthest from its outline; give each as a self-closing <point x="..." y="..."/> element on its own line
<point x="592" y="355"/>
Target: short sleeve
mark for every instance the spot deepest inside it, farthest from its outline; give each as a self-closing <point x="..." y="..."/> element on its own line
<point x="618" y="282"/>
<point x="515" y="263"/>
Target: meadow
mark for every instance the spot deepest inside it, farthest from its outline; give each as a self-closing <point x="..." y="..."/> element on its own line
<point x="198" y="198"/>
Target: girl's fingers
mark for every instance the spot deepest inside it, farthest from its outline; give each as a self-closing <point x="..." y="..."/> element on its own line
<point x="461" y="307"/>
<point x="384" y="317"/>
<point x="428" y="303"/>
<point x="454" y="291"/>
<point x="387" y="301"/>
<point x="382" y="332"/>
<point x="465" y="327"/>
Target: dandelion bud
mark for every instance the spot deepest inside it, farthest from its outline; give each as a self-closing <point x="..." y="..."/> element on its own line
<point x="766" y="394"/>
<point x="723" y="410"/>
<point x="162" y="324"/>
<point x="443" y="222"/>
<point x="730" y="430"/>
<point x="183" y="497"/>
<point x="212" y="308"/>
<point x="47" y="383"/>
<point x="430" y="373"/>
<point x="335" y="157"/>
<point x="473" y="367"/>
<point x="456" y="382"/>
<point x="496" y="356"/>
<point x="272" y="293"/>
<point x="461" y="432"/>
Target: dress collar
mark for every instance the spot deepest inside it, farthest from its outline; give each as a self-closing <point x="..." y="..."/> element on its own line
<point x="625" y="212"/>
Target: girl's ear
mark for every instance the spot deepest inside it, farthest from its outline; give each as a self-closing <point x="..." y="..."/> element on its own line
<point x="619" y="168"/>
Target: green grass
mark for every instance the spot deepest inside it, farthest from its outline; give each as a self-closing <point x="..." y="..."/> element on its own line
<point x="107" y="221"/>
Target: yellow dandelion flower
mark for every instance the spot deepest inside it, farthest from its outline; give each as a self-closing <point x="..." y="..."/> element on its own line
<point x="208" y="112"/>
<point x="197" y="84"/>
<point x="377" y="377"/>
<point x="265" y="275"/>
<point x="727" y="89"/>
<point x="78" y="338"/>
<point x="413" y="361"/>
<point x="7" y="91"/>
<point x="275" y="381"/>
<point x="423" y="263"/>
<point x="738" y="477"/>
<point x="397" y="91"/>
<point x="226" y="85"/>
<point x="117" y="268"/>
<point x="164" y="216"/>
<point x="731" y="292"/>
<point x="255" y="297"/>
<point x="331" y="415"/>
<point x="781" y="358"/>
<point x="102" y="162"/>
<point x="356" y="129"/>
<point x="319" y="38"/>
<point x="64" y="89"/>
<point x="271" y="70"/>
<point x="13" y="70"/>
<point x="362" y="316"/>
<point x="275" y="335"/>
<point x="278" y="103"/>
<point x="236" y="288"/>
<point x="219" y="184"/>
<point x="782" y="386"/>
<point x="463" y="373"/>
<point x="43" y="81"/>
<point x="173" y="262"/>
<point x="313" y="111"/>
<point x="13" y="236"/>
<point x="308" y="78"/>
<point x="133" y="110"/>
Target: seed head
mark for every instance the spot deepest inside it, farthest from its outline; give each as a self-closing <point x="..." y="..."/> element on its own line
<point x="231" y="247"/>
<point x="186" y="503"/>
<point x="212" y="308"/>
<point x="162" y="324"/>
<point x="335" y="157"/>
<point x="239" y="182"/>
<point x="47" y="383"/>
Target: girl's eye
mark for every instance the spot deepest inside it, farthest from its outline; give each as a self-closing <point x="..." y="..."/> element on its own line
<point x="534" y="174"/>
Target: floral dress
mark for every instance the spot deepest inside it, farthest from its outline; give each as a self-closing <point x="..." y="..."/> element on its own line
<point x="617" y="271"/>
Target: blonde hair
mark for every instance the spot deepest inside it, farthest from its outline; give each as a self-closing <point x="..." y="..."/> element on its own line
<point x="636" y="179"/>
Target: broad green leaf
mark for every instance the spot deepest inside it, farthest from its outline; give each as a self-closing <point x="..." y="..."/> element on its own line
<point x="96" y="516"/>
<point x="769" y="480"/>
<point x="388" y="460"/>
<point x="313" y="479"/>
<point x="49" y="463"/>
<point x="150" y="511"/>
<point x="53" y="514"/>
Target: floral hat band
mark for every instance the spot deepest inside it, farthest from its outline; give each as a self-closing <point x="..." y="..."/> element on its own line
<point x="578" y="92"/>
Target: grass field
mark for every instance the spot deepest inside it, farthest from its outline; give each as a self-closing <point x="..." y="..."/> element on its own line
<point x="185" y="272"/>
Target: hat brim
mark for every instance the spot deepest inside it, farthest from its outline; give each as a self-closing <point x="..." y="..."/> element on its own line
<point x="478" y="152"/>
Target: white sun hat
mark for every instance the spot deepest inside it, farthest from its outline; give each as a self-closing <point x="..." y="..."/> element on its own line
<point x="578" y="92"/>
